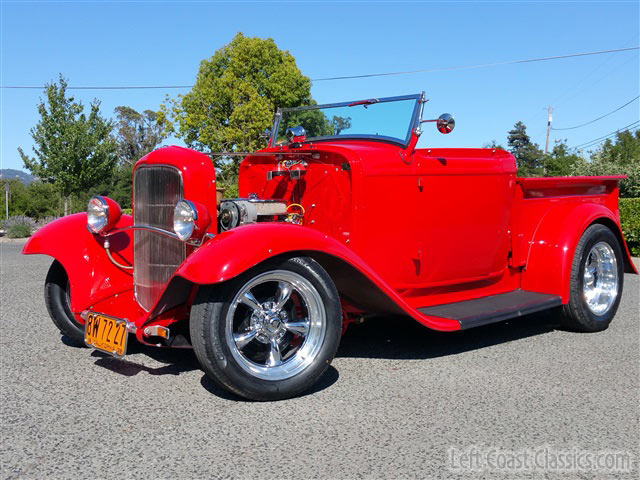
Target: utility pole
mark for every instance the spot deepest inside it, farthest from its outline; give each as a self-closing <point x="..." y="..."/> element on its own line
<point x="6" y="200"/>
<point x="546" y="142"/>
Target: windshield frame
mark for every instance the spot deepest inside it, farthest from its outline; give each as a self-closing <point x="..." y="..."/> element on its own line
<point x="413" y="124"/>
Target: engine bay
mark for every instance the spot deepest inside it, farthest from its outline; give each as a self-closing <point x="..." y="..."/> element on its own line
<point x="235" y="212"/>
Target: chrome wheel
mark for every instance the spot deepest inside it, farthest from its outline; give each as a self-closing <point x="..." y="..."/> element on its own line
<point x="600" y="281"/>
<point x="275" y="325"/>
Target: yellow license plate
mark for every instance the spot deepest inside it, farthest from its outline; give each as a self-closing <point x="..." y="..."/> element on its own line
<point x="105" y="333"/>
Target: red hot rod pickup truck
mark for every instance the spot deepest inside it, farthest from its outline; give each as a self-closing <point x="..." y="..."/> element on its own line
<point x="340" y="215"/>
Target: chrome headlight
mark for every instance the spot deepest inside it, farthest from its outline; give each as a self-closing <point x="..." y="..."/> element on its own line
<point x="102" y="214"/>
<point x="97" y="214"/>
<point x="185" y="216"/>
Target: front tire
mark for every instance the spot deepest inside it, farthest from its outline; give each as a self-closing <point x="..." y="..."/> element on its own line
<point x="57" y="297"/>
<point x="597" y="277"/>
<point x="272" y="332"/>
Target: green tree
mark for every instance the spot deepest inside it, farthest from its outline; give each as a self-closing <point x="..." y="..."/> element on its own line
<point x="18" y="197"/>
<point x="493" y="144"/>
<point x="72" y="150"/>
<point x="314" y="122"/>
<point x="528" y="154"/>
<point x="235" y="96"/>
<point x="624" y="151"/>
<point x="137" y="133"/>
<point x="43" y="200"/>
<point x="36" y="200"/>
<point x="118" y="187"/>
<point x="560" y="162"/>
<point x="619" y="157"/>
<point x="340" y="123"/>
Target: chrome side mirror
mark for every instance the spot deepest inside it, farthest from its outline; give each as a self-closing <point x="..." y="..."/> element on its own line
<point x="296" y="135"/>
<point x="445" y="123"/>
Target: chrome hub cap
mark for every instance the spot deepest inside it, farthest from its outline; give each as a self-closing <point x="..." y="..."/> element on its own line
<point x="269" y="323"/>
<point x="276" y="325"/>
<point x="600" y="281"/>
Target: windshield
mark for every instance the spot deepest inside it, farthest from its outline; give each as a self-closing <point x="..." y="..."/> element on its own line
<point x="389" y="119"/>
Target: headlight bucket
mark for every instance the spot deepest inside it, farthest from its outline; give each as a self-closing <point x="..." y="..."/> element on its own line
<point x="190" y="219"/>
<point x="102" y="214"/>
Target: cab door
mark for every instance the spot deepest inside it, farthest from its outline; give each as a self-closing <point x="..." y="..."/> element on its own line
<point x="465" y="197"/>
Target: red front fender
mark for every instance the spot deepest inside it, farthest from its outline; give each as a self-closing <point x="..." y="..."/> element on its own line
<point x="92" y="276"/>
<point x="554" y="243"/>
<point x="234" y="252"/>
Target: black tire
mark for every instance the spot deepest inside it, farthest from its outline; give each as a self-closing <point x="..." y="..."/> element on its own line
<point x="210" y="316"/>
<point x="577" y="315"/>
<point x="57" y="299"/>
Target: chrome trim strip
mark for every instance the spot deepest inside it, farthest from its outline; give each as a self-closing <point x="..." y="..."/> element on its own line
<point x="141" y="227"/>
<point x="276" y="124"/>
<point x="194" y="242"/>
<point x="414" y="96"/>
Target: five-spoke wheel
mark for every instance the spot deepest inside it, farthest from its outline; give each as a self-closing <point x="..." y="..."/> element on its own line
<point x="600" y="282"/>
<point x="270" y="333"/>
<point x="276" y="324"/>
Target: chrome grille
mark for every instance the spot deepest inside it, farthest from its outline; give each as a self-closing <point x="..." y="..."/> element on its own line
<point x="156" y="189"/>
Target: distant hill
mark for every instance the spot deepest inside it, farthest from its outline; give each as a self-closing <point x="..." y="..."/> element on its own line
<point x="11" y="174"/>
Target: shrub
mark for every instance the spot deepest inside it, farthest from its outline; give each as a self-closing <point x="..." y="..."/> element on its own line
<point x="630" y="220"/>
<point x="19" y="226"/>
<point x="41" y="222"/>
<point x="127" y="211"/>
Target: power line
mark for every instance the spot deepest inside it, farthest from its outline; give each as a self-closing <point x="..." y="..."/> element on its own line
<point x="599" y="118"/>
<point x="601" y="139"/>
<point x="348" y="77"/>
<point x="126" y="87"/>
<point x="596" y="140"/>
<point x="480" y="65"/>
<point x="572" y="89"/>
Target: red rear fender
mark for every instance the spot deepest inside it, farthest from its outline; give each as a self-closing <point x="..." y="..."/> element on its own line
<point x="554" y="243"/>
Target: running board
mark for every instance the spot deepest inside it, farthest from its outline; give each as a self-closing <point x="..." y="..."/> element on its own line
<point x="494" y="308"/>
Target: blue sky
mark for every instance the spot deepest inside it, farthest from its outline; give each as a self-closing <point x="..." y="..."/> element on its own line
<point x="162" y="43"/>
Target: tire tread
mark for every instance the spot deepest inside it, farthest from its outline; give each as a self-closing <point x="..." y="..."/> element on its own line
<point x="576" y="315"/>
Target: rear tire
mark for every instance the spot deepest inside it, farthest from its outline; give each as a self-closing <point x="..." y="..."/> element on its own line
<point x="597" y="277"/>
<point x="270" y="333"/>
<point x="57" y="297"/>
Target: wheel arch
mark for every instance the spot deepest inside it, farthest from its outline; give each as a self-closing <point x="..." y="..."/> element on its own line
<point x="92" y="276"/>
<point x="353" y="285"/>
<point x="554" y="242"/>
<point x="629" y="267"/>
<point x="218" y="261"/>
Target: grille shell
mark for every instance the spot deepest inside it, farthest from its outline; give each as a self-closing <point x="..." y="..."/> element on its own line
<point x="156" y="189"/>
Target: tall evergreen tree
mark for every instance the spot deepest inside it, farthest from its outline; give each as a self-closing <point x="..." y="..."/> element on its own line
<point x="528" y="154"/>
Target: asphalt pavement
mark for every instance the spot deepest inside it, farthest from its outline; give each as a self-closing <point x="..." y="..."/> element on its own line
<point x="399" y="401"/>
